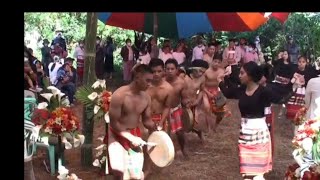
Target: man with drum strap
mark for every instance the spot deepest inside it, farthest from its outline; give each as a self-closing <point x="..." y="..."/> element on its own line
<point x="128" y="104"/>
<point x="213" y="94"/>
<point x="178" y="84"/>
<point x="192" y="96"/>
<point x="160" y="92"/>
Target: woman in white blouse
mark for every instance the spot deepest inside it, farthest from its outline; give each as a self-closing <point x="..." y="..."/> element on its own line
<point x="179" y="55"/>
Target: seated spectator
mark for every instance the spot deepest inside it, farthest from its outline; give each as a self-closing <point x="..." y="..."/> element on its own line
<point x="40" y="73"/>
<point x="30" y="78"/>
<point x="65" y="84"/>
<point x="70" y="60"/>
<point x="53" y="69"/>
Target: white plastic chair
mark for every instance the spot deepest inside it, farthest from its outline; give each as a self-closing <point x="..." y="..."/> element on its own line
<point x="30" y="136"/>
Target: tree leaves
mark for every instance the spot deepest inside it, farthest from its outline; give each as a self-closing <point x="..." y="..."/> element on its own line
<point x="82" y="95"/>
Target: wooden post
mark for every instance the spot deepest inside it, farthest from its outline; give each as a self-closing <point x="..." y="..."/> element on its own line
<point x="155" y="25"/>
<point x="88" y="79"/>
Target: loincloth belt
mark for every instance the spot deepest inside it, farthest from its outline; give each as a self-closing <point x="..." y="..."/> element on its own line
<point x="216" y="110"/>
<point x="175" y="118"/>
<point x="122" y="140"/>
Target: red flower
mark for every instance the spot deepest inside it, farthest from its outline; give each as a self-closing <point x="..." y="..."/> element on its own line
<point x="40" y="116"/>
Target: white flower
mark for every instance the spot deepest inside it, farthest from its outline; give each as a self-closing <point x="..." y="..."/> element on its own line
<point x="48" y="130"/>
<point x="74" y="177"/>
<point x="96" y="109"/>
<point x="65" y="102"/>
<point x="82" y="138"/>
<point x="315" y="126"/>
<point x="102" y="83"/>
<point x="101" y="138"/>
<point x="67" y="144"/>
<point x="103" y="159"/>
<point x="96" y="163"/>
<point x="54" y="90"/>
<point x="307" y="144"/>
<point x="99" y="82"/>
<point x="63" y="172"/>
<point x="93" y="96"/>
<point x="95" y="84"/>
<point x="100" y="147"/>
<point x="42" y="105"/>
<point x="106" y="117"/>
<point x="47" y="96"/>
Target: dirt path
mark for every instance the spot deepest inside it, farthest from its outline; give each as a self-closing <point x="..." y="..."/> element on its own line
<point x="218" y="159"/>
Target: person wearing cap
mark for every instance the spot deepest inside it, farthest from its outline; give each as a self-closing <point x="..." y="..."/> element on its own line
<point x="293" y="50"/>
<point x="79" y="55"/>
<point x="46" y="56"/>
<point x="60" y="40"/>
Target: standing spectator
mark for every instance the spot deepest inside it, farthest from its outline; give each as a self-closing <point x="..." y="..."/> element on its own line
<point x="179" y="54"/>
<point x="293" y="50"/>
<point x="46" y="56"/>
<point x="40" y="74"/>
<point x="219" y="51"/>
<point x="59" y="39"/>
<point x="108" y="64"/>
<point x="79" y="54"/>
<point x="250" y="54"/>
<point x="165" y="54"/>
<point x="99" y="61"/>
<point x="197" y="52"/>
<point x="153" y="48"/>
<point x="127" y="55"/>
<point x="208" y="56"/>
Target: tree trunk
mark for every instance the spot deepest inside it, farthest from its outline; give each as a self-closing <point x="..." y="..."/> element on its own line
<point x="88" y="79"/>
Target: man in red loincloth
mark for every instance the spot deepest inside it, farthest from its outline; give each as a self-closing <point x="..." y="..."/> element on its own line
<point x="128" y="104"/>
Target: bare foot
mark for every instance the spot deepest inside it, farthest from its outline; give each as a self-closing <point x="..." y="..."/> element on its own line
<point x="185" y="155"/>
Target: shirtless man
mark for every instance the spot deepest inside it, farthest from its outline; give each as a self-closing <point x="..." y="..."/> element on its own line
<point x="211" y="90"/>
<point x="178" y="84"/>
<point x="128" y="104"/>
<point x="192" y="95"/>
<point x="160" y="92"/>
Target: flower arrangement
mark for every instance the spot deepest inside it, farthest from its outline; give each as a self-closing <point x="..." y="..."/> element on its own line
<point x="96" y="97"/>
<point x="307" y="147"/>
<point x="55" y="118"/>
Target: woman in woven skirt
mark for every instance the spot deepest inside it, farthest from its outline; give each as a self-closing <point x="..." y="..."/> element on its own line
<point x="300" y="80"/>
<point x="254" y="140"/>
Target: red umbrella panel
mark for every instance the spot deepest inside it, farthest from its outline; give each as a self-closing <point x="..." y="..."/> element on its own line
<point x="183" y="25"/>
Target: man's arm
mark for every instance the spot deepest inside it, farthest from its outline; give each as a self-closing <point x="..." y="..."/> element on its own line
<point x="146" y="116"/>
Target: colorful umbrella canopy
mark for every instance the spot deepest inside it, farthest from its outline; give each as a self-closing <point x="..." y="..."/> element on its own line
<point x="183" y="25"/>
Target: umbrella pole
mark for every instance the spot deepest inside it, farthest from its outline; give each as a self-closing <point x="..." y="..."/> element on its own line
<point x="155" y="25"/>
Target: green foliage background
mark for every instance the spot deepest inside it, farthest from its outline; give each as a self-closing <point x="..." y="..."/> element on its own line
<point x="304" y="27"/>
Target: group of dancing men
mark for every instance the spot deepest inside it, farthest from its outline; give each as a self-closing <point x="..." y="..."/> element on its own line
<point x="159" y="91"/>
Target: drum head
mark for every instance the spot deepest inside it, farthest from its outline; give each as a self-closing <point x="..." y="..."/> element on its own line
<point x="162" y="154"/>
<point x="187" y="119"/>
